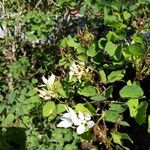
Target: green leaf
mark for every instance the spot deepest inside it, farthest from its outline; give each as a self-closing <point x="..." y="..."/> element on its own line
<point x="91" y="51"/>
<point x="80" y="107"/>
<point x="98" y="97"/>
<point x="112" y="36"/>
<point x="88" y="2"/>
<point x="110" y="48"/>
<point x="32" y="92"/>
<point x="120" y="108"/>
<point x="90" y="108"/>
<point x="115" y="76"/>
<point x="131" y="91"/>
<point x="71" y="42"/>
<point x="102" y="76"/>
<point x="126" y="15"/>
<point x="48" y="109"/>
<point x="34" y="99"/>
<point x="87" y="91"/>
<point x="61" y="108"/>
<point x="136" y="49"/>
<point x="148" y="130"/>
<point x="118" y="137"/>
<point x="1" y="98"/>
<point x="133" y="106"/>
<point x="34" y="80"/>
<point x="59" y="88"/>
<point x="102" y="43"/>
<point x="2" y="107"/>
<point x="9" y="119"/>
<point x="139" y="38"/>
<point x="11" y="97"/>
<point x="107" y="93"/>
<point x="112" y="116"/>
<point x="124" y="123"/>
<point x="141" y="114"/>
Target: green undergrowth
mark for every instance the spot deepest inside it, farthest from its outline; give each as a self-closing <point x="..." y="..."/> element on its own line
<point x="87" y="57"/>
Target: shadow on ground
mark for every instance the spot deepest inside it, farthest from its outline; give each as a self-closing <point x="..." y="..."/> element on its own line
<point x="13" y="139"/>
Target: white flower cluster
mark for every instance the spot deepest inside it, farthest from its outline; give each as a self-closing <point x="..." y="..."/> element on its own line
<point x="78" y="70"/>
<point x="82" y="122"/>
<point x="48" y="83"/>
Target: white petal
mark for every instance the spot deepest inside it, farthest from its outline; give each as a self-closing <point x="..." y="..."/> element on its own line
<point x="87" y="117"/>
<point x="66" y="115"/>
<point x="74" y="66"/>
<point x="81" y="116"/>
<point x="80" y="129"/>
<point x="64" y="124"/>
<point x="51" y="79"/>
<point x="74" y="117"/>
<point x="76" y="121"/>
<point x="42" y="92"/>
<point x="71" y="73"/>
<point x="44" y="80"/>
<point x="90" y="124"/>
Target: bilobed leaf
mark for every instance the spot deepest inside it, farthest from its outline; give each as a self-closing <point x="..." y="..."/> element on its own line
<point x="115" y="76"/>
<point x="98" y="97"/>
<point x="136" y="49"/>
<point x="92" y="51"/>
<point x="133" y="106"/>
<point x="110" y="48"/>
<point x="119" y="108"/>
<point x="131" y="91"/>
<point x="87" y="91"/>
<point x="112" y="116"/>
<point x="138" y="38"/>
<point x="112" y="36"/>
<point x="126" y="15"/>
<point x="141" y="114"/>
<point x="48" y="108"/>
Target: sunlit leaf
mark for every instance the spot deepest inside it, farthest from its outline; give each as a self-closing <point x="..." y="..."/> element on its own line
<point x="110" y="48"/>
<point x="133" y="106"/>
<point x="131" y="91"/>
<point x="141" y="114"/>
<point x="48" y="108"/>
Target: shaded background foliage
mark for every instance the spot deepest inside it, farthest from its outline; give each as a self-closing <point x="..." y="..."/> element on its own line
<point x="37" y="38"/>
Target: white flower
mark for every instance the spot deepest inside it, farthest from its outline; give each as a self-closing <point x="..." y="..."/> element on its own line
<point x="82" y="121"/>
<point x="49" y="92"/>
<point x="50" y="80"/>
<point x="68" y="119"/>
<point x="78" y="70"/>
<point x="46" y="94"/>
<point x="73" y="69"/>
